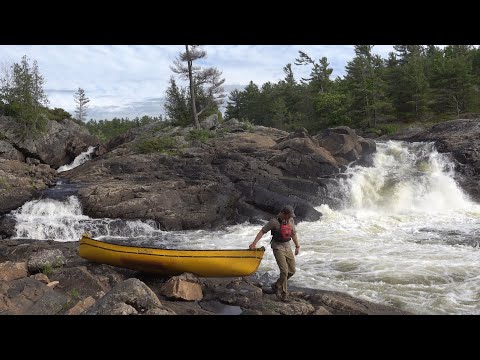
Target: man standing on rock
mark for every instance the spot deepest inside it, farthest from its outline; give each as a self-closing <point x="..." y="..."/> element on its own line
<point x="283" y="230"/>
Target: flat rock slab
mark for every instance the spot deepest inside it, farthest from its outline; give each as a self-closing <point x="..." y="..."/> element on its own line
<point x="13" y="270"/>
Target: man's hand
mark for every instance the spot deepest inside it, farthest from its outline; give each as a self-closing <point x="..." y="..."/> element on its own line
<point x="252" y="246"/>
<point x="297" y="250"/>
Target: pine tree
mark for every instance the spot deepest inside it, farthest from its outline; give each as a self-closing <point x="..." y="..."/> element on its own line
<point x="453" y="81"/>
<point x="319" y="79"/>
<point x="407" y="80"/>
<point x="204" y="83"/>
<point x="176" y="105"/>
<point x="21" y="91"/>
<point x="82" y="104"/>
<point x="234" y="104"/>
<point x="365" y="85"/>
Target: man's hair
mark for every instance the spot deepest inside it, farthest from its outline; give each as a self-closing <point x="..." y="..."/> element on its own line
<point x="288" y="209"/>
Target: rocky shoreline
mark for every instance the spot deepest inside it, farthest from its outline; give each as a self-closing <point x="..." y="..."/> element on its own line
<point x="243" y="173"/>
<point x="230" y="173"/>
<point x="49" y="278"/>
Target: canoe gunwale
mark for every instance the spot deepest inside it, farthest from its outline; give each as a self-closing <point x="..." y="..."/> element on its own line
<point x="87" y="241"/>
<point x="169" y="262"/>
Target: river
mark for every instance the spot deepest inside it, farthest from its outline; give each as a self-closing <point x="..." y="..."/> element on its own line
<point x="406" y="234"/>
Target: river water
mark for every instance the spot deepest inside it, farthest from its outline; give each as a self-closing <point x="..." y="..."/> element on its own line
<point x="406" y="234"/>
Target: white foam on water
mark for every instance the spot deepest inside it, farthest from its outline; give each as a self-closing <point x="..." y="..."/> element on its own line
<point x="79" y="160"/>
<point x="407" y="234"/>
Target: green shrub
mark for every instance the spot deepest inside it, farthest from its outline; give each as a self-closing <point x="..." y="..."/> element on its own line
<point x="207" y="113"/>
<point x="47" y="269"/>
<point x="247" y="126"/>
<point x="200" y="135"/>
<point x="58" y="114"/>
<point x="164" y="144"/>
<point x="5" y="184"/>
<point x="388" y="129"/>
<point x="75" y="294"/>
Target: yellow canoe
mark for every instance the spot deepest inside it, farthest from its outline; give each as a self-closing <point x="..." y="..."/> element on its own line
<point x="204" y="263"/>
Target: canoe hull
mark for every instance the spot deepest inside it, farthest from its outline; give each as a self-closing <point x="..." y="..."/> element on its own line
<point x="204" y="263"/>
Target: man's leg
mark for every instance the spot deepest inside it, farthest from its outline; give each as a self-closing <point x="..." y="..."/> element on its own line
<point x="283" y="266"/>
<point x="290" y="259"/>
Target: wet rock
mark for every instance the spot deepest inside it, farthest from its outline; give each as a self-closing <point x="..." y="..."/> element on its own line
<point x="19" y="183"/>
<point x="251" y="312"/>
<point x="218" y="308"/>
<point x="7" y="226"/>
<point x="270" y="305"/>
<point x="367" y="146"/>
<point x="272" y="202"/>
<point x="185" y="308"/>
<point x="343" y="304"/>
<point x="237" y="292"/>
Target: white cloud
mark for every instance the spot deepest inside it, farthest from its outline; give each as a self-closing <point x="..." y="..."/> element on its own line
<point x="122" y="80"/>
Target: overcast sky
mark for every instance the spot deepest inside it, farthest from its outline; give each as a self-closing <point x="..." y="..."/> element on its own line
<point x="129" y="81"/>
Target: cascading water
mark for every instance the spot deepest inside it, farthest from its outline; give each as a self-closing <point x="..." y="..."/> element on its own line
<point x="79" y="160"/>
<point x="50" y="219"/>
<point x="406" y="235"/>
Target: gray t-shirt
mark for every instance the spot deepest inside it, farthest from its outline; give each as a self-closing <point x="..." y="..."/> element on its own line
<point x="275" y="224"/>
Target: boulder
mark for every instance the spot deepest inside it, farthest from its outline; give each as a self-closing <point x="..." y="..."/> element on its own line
<point x="45" y="259"/>
<point x="183" y="287"/>
<point x="128" y="297"/>
<point x="7" y="151"/>
<point x="209" y="122"/>
<point x="7" y="226"/>
<point x="80" y="280"/>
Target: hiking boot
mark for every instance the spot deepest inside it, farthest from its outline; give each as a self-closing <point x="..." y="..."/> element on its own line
<point x="277" y="291"/>
<point x="284" y="297"/>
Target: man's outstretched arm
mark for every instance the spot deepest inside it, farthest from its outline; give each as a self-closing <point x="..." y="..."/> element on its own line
<point x="257" y="239"/>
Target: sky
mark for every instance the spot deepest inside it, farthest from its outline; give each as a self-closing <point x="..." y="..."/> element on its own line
<point x="130" y="80"/>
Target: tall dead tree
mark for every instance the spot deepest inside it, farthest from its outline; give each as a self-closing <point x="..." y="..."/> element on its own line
<point x="199" y="77"/>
